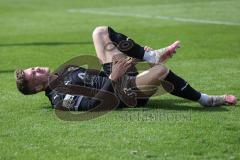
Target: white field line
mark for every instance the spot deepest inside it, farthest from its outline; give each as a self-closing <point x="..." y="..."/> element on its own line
<point x="190" y="20"/>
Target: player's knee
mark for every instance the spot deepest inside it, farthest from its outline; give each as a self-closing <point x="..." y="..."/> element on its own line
<point x="99" y="31"/>
<point x="162" y="70"/>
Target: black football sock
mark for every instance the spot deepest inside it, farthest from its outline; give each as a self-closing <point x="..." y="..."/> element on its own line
<point x="126" y="45"/>
<point x="181" y="88"/>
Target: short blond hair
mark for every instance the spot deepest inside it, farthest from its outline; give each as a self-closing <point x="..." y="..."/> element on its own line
<point x="22" y="83"/>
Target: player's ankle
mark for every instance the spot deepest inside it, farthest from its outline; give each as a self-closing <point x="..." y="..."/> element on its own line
<point x="150" y="56"/>
<point x="213" y="101"/>
<point x="204" y="100"/>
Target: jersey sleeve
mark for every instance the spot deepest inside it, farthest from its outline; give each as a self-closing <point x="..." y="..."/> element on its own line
<point x="65" y="101"/>
<point x="73" y="102"/>
<point x="76" y="102"/>
<point x="88" y="103"/>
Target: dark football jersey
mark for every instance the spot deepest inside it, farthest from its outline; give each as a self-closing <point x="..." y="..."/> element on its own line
<point x="97" y="80"/>
<point x="78" y="76"/>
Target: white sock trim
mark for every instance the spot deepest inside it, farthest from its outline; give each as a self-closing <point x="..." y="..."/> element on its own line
<point x="204" y="99"/>
<point x="150" y="56"/>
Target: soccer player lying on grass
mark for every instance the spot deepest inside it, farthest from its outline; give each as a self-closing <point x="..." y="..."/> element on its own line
<point x="139" y="87"/>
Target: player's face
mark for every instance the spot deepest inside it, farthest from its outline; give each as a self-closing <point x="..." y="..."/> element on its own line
<point x="37" y="75"/>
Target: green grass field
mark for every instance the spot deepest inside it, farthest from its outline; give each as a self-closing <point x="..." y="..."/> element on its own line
<point x="48" y="33"/>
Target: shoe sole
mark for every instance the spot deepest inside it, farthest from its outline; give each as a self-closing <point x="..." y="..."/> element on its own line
<point x="170" y="51"/>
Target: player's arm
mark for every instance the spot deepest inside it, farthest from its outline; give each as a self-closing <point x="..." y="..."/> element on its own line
<point x="87" y="98"/>
<point x="119" y="68"/>
<point x="82" y="98"/>
<point x="65" y="102"/>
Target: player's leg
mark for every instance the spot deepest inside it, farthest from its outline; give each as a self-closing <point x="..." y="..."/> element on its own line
<point x="105" y="39"/>
<point x="103" y="45"/>
<point x="107" y="43"/>
<point x="148" y="81"/>
<point x="175" y="85"/>
<point x="129" y="47"/>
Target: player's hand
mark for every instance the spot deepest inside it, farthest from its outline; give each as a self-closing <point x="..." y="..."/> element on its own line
<point x="147" y="49"/>
<point x="119" y="68"/>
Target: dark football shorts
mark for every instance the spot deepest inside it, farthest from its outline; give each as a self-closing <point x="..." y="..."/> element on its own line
<point x="130" y="81"/>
